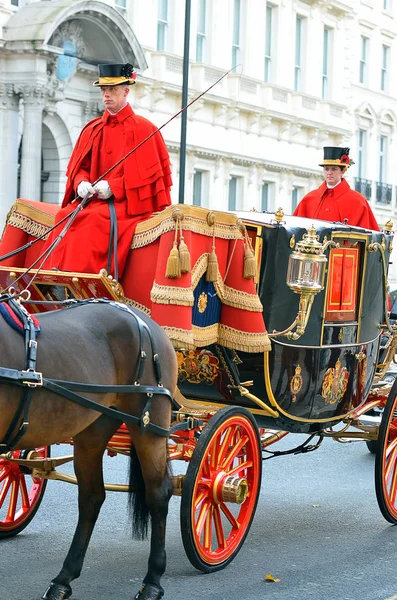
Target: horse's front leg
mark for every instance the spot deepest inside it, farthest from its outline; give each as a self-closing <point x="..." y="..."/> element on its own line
<point x="158" y="491"/>
<point x="89" y="447"/>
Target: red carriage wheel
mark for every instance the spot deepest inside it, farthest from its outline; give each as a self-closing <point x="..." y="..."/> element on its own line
<point x="386" y="459"/>
<point x="221" y="489"/>
<point x="20" y="493"/>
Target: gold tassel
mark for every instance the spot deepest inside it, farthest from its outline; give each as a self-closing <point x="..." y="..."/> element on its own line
<point x="249" y="259"/>
<point x="212" y="266"/>
<point x="173" y="269"/>
<point x="184" y="254"/>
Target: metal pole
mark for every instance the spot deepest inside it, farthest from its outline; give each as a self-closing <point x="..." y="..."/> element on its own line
<point x="185" y="87"/>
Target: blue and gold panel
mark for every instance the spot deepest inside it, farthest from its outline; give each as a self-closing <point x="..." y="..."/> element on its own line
<point x="207" y="305"/>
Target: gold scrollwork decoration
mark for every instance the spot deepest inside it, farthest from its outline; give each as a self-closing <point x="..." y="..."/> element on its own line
<point x="292" y="241"/>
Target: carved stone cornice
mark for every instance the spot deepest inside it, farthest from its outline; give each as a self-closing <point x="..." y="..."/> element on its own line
<point x="33" y="95"/>
<point x="92" y="110"/>
<point x="9" y="100"/>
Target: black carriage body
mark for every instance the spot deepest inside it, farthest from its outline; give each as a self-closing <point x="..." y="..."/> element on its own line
<point x="324" y="375"/>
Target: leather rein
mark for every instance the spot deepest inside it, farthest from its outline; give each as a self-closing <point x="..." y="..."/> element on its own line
<point x="31" y="379"/>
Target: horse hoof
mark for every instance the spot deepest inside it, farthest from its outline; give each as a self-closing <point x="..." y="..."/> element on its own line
<point x="56" y="591"/>
<point x="149" y="592"/>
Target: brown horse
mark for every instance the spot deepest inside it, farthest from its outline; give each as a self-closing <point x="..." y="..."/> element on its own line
<point x="98" y="343"/>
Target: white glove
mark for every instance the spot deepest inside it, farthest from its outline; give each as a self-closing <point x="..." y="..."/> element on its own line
<point x="85" y="189"/>
<point x="102" y="188"/>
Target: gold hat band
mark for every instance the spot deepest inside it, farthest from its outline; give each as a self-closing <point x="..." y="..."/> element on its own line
<point x="113" y="81"/>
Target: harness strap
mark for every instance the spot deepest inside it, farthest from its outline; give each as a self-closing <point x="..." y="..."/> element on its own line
<point x="110" y="412"/>
<point x="113" y="240"/>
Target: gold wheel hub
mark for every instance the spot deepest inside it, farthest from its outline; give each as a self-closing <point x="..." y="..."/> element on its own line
<point x="230" y="488"/>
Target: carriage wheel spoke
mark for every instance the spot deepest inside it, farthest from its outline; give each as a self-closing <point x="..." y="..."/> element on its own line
<point x="229" y="515"/>
<point x="243" y="467"/>
<point x="390" y="461"/>
<point x="201" y="518"/>
<point x="234" y="452"/>
<point x="13" y="502"/>
<point x="207" y="542"/>
<point x="201" y="496"/>
<point x="220" y="534"/>
<point x="4" y="491"/>
<point x="219" y="447"/>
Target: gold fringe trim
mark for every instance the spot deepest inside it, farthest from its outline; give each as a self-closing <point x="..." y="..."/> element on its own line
<point x="34" y="213"/>
<point x="243" y="340"/>
<point x="194" y="219"/>
<point x="166" y="294"/>
<point x="180" y="338"/>
<point x="203" y="336"/>
<point x="137" y="305"/>
<point x="218" y="334"/>
<point x="27" y="224"/>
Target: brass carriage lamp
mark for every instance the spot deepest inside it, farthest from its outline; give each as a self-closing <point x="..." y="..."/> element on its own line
<point x="305" y="276"/>
<point x="306" y="265"/>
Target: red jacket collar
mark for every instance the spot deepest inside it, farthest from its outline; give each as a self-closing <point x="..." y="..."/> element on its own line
<point x="122" y="115"/>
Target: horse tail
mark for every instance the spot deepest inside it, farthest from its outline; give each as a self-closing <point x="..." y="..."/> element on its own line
<point x="138" y="508"/>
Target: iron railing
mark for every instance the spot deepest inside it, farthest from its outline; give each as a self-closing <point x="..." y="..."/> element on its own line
<point x="364" y="186"/>
<point x="383" y="193"/>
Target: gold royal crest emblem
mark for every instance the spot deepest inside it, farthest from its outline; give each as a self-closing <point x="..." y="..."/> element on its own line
<point x="296" y="383"/>
<point x="334" y="384"/>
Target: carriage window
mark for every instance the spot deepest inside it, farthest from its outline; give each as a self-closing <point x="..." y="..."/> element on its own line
<point x="343" y="282"/>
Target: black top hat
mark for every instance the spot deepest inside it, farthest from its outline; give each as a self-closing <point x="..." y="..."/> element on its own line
<point x="115" y="74"/>
<point x="336" y="156"/>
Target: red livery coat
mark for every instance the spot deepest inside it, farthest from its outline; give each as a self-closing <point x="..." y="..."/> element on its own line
<point x="140" y="185"/>
<point x="337" y="204"/>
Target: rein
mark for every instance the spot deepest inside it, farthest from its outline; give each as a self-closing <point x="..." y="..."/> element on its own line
<point x="31" y="379"/>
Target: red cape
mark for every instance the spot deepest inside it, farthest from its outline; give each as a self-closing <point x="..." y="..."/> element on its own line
<point x="344" y="203"/>
<point x="147" y="171"/>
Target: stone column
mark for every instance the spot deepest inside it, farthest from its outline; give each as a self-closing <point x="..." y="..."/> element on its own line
<point x="33" y="101"/>
<point x="9" y="113"/>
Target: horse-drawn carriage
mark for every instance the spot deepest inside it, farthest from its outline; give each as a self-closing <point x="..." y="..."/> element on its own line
<point x="316" y="369"/>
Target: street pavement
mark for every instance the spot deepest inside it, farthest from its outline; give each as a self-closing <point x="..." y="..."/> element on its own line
<point x="317" y="529"/>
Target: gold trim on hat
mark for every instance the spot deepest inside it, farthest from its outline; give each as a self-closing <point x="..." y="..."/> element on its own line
<point x="113" y="81"/>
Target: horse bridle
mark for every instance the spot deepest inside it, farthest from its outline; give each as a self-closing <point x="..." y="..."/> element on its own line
<point x="30" y="379"/>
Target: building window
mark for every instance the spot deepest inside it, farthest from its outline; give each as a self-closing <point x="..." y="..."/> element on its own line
<point x="121" y="3"/>
<point x="362" y="149"/>
<point x="298" y="53"/>
<point x="265" y="199"/>
<point x="326" y="54"/>
<point x="296" y="197"/>
<point x="385" y="68"/>
<point x="197" y="188"/>
<point x="234" y="187"/>
<point x="162" y="25"/>
<point x="268" y="43"/>
<point x="201" y="30"/>
<point x="236" y="33"/>
<point x="14" y="2"/>
<point x="386" y="5"/>
<point x="382" y="158"/>
<point x="363" y="59"/>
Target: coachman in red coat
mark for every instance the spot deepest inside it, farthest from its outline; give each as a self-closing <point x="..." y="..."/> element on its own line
<point x="334" y="200"/>
<point x="132" y="191"/>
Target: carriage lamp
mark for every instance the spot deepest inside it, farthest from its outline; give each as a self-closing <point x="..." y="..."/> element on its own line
<point x="305" y="276"/>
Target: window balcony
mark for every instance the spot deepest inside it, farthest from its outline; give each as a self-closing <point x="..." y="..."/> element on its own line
<point x="364" y="186"/>
<point x="383" y="193"/>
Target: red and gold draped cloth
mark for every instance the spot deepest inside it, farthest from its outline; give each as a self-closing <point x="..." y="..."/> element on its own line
<point x="193" y="311"/>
